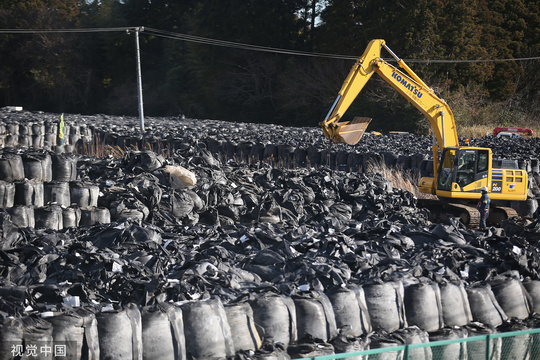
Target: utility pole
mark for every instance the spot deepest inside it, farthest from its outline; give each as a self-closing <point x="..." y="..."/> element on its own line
<point x="139" y="77"/>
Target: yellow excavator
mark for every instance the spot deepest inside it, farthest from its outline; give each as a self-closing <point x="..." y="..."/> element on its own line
<point x="459" y="172"/>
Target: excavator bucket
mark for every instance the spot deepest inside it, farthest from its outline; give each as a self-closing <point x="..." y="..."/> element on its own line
<point x="350" y="132"/>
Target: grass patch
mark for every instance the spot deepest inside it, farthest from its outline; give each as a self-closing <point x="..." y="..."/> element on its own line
<point x="403" y="179"/>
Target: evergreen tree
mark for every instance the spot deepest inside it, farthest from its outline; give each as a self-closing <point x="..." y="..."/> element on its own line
<point x="95" y="72"/>
<point x="503" y="33"/>
<point x="231" y="83"/>
<point x="39" y="70"/>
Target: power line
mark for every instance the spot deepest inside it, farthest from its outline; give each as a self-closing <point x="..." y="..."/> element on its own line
<point x="242" y="46"/>
<point x="230" y="44"/>
<point x="49" y="31"/>
<point x="191" y="38"/>
<point x="469" y="61"/>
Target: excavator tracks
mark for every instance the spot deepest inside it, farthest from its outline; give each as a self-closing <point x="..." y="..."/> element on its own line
<point x="469" y="215"/>
<point x="441" y="211"/>
<point x="497" y="214"/>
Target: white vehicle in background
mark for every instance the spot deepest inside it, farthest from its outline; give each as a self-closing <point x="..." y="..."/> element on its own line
<point x="508" y="134"/>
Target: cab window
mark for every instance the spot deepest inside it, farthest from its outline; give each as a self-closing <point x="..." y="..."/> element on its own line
<point x="483" y="158"/>
<point x="446" y="170"/>
<point x="466" y="168"/>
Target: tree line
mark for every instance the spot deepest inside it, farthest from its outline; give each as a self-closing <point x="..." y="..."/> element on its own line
<point x="95" y="71"/>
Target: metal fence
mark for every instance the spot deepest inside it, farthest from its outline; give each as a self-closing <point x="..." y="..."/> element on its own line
<point x="516" y="345"/>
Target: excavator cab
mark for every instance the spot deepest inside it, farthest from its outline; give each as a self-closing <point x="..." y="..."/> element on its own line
<point x="463" y="169"/>
<point x="348" y="132"/>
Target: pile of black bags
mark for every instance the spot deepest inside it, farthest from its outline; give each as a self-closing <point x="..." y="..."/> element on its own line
<point x="147" y="255"/>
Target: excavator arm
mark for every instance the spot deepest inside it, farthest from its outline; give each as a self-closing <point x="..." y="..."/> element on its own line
<point x="406" y="82"/>
<point x="340" y="132"/>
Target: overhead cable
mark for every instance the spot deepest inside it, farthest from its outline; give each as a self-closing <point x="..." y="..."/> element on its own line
<point x="242" y="46"/>
<point x="230" y="44"/>
<point x="50" y="31"/>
